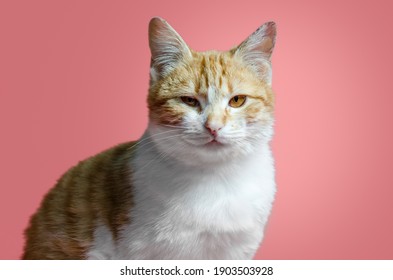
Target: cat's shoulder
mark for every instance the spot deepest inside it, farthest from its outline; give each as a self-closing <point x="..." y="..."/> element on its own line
<point x="109" y="159"/>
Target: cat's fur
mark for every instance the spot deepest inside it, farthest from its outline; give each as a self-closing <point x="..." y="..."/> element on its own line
<point x="176" y="193"/>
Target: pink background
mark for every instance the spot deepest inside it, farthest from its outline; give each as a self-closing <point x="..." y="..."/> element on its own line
<point x="74" y="77"/>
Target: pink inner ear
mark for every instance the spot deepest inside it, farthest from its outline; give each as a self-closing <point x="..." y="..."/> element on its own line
<point x="256" y="50"/>
<point x="261" y="41"/>
<point x="266" y="46"/>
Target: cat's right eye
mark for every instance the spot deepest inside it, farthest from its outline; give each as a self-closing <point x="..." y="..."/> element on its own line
<point x="190" y="101"/>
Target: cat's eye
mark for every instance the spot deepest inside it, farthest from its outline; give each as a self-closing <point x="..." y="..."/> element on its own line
<point x="190" y="101"/>
<point x="237" y="101"/>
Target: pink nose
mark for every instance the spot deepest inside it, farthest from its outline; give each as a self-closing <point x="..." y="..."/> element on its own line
<point x="212" y="130"/>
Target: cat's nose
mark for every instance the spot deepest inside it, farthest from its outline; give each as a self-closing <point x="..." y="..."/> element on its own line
<point x="212" y="129"/>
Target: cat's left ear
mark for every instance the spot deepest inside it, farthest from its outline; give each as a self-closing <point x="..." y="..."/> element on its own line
<point x="167" y="48"/>
<point x="257" y="49"/>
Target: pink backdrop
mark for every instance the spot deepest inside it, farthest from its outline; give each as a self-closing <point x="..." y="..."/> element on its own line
<point x="73" y="81"/>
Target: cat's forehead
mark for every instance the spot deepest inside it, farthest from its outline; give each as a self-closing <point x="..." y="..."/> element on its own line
<point x="213" y="72"/>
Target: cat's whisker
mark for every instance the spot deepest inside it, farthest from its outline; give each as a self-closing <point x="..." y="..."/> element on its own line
<point x="160" y="156"/>
<point x="150" y="137"/>
<point x="195" y="136"/>
<point x="175" y="126"/>
<point x="192" y="130"/>
<point x="168" y="153"/>
<point x="158" y="139"/>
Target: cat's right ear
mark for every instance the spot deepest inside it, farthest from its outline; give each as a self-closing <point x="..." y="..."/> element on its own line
<point x="166" y="46"/>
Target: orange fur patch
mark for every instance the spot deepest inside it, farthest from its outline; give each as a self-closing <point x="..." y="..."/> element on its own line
<point x="95" y="191"/>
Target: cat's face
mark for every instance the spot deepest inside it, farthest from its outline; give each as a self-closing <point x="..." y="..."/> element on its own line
<point x="206" y="107"/>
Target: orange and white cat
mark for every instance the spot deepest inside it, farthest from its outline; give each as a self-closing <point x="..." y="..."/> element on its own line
<point x="200" y="182"/>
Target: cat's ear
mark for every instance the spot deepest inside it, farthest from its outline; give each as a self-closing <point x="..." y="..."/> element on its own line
<point x="166" y="46"/>
<point x="257" y="49"/>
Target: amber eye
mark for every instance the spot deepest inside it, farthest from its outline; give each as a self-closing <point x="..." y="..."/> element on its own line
<point x="190" y="101"/>
<point x="237" y="101"/>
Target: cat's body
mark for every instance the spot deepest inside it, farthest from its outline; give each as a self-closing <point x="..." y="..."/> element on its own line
<point x="198" y="213"/>
<point x="198" y="185"/>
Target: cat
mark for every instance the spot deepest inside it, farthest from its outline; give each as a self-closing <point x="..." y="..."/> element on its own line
<point x="200" y="182"/>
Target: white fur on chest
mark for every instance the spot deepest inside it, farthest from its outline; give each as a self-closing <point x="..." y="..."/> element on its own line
<point x="182" y="212"/>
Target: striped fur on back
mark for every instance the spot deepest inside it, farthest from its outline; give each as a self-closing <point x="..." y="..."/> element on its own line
<point x="95" y="191"/>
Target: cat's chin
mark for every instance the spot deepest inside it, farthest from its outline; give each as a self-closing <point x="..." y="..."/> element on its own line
<point x="208" y="154"/>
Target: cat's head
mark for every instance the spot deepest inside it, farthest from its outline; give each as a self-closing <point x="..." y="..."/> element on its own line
<point x="207" y="107"/>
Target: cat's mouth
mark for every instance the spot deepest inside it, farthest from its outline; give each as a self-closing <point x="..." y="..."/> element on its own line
<point x="214" y="143"/>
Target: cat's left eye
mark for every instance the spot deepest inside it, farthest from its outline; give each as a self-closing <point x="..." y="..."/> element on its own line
<point x="237" y="101"/>
<point x="190" y="101"/>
